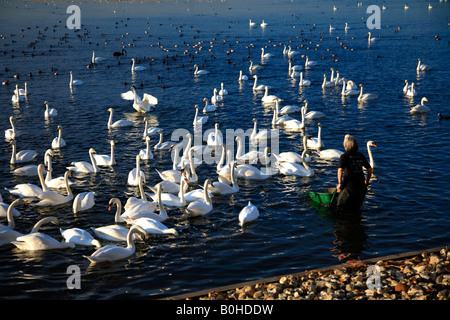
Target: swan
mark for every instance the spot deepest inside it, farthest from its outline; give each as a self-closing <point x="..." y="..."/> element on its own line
<point x="290" y="109"/>
<point x="146" y="154"/>
<point x="407" y="87"/>
<point x="223" y="170"/>
<point x="279" y="120"/>
<point x="330" y="154"/>
<point x="21" y="92"/>
<point x="420" y="108"/>
<point x="263" y="24"/>
<point x="152" y="226"/>
<point x="261" y="135"/>
<point x="269" y="98"/>
<point x="31" y="169"/>
<point x="310" y="63"/>
<point x="79" y="237"/>
<point x="171" y="200"/>
<point x="316" y="143"/>
<point x="198" y="72"/>
<point x="105" y="160"/>
<point x="162" y="145"/>
<point x="303" y="83"/>
<point x="293" y="168"/>
<point x="192" y="174"/>
<point x="291" y="53"/>
<point x="294" y="74"/>
<point x="208" y="107"/>
<point x="216" y="98"/>
<point x="83" y="201"/>
<point x="348" y="92"/>
<point x="7" y="233"/>
<point x="4" y="209"/>
<point x="84" y="166"/>
<point x="222" y="188"/>
<point x="49" y="112"/>
<point x="58" y="142"/>
<point x="250" y="157"/>
<point x="201" y="207"/>
<point x="346" y="27"/>
<point x="288" y="156"/>
<point x="294" y="123"/>
<point x="111" y="253"/>
<point x="294" y="68"/>
<point x="149" y="131"/>
<point x="16" y="97"/>
<point x="411" y="92"/>
<point x="40" y="241"/>
<point x="24" y="190"/>
<point x="215" y="138"/>
<point x="134" y="204"/>
<point x="254" y="67"/>
<point x="198" y="121"/>
<point x="53" y="198"/>
<point x="50" y="182"/>
<point x="265" y="55"/>
<point x="74" y="82"/>
<point x="350" y="85"/>
<point x="248" y="214"/>
<point x="134" y="174"/>
<point x="366" y="96"/>
<point x="11" y="134"/>
<point x="370" y="38"/>
<point x="422" y="67"/>
<point x="118" y="123"/>
<point x="146" y="104"/>
<point x="22" y="156"/>
<point x="249" y="172"/>
<point x="332" y="28"/>
<point x="312" y="114"/>
<point x="260" y="87"/>
<point x="173" y="175"/>
<point x="131" y="215"/>
<point x="112" y="232"/>
<point x="222" y="91"/>
<point x="337" y="80"/>
<point x="242" y="77"/>
<point x="251" y="23"/>
<point x="136" y="68"/>
<point x="369" y="151"/>
<point x="327" y="84"/>
<point x="96" y="59"/>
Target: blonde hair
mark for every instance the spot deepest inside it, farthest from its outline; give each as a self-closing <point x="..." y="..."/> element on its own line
<point x="350" y="143"/>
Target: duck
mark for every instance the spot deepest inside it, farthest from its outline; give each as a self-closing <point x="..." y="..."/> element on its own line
<point x="208" y="107"/>
<point x="12" y="133"/>
<point x="420" y="108"/>
<point x="53" y="198"/>
<point x="49" y="112"/>
<point x="146" y="154"/>
<point x="118" y="123"/>
<point x="198" y="72"/>
<point x="58" y="142"/>
<point x="134" y="67"/>
<point x="79" y="237"/>
<point x="316" y="143"/>
<point x="83" y="201"/>
<point x="23" y="156"/>
<point x="201" y="207"/>
<point x="248" y="214"/>
<point x="242" y="77"/>
<point x="84" y="166"/>
<point x="25" y="190"/>
<point x="114" y="232"/>
<point x="110" y="253"/>
<point x="74" y="82"/>
<point x="106" y="160"/>
<point x="135" y="174"/>
<point x="366" y="96"/>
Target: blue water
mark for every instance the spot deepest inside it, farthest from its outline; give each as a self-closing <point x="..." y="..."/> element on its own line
<point x="406" y="206"/>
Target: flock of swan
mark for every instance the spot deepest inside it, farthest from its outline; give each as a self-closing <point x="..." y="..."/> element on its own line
<point x="139" y="217"/>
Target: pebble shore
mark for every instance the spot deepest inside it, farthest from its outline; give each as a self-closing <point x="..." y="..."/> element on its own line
<point x="425" y="276"/>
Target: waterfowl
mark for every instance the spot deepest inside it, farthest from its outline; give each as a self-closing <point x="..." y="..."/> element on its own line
<point x="79" y="237"/>
<point x="136" y="68"/>
<point x="23" y="156"/>
<point x="201" y="207"/>
<point x="316" y="143"/>
<point x="242" y="77"/>
<point x="146" y="154"/>
<point x="198" y="72"/>
<point x="24" y="190"/>
<point x="113" y="232"/>
<point x="84" y="166"/>
<point x="53" y="198"/>
<point x="248" y="214"/>
<point x="49" y="112"/>
<point x="83" y="201"/>
<point x="208" y="107"/>
<point x="12" y="133"/>
<point x="96" y="59"/>
<point x="422" y="67"/>
<point x="366" y="96"/>
<point x="118" y="123"/>
<point x="135" y="174"/>
<point x="420" y="108"/>
<point x="146" y="104"/>
<point x="198" y="121"/>
<point x="162" y="145"/>
<point x="74" y="82"/>
<point x="106" y="160"/>
<point x="58" y="142"/>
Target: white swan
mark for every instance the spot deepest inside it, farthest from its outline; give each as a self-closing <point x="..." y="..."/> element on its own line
<point x="222" y="188"/>
<point x="366" y="96"/>
<point x="111" y="253"/>
<point x="112" y="232"/>
<point x="252" y="24"/>
<point x="58" y="142"/>
<point x="83" y="201"/>
<point x="332" y="28"/>
<point x="256" y="87"/>
<point x="276" y="120"/>
<point x="4" y="209"/>
<point x="40" y="241"/>
<point x="370" y="38"/>
<point x="173" y="175"/>
<point x="11" y="134"/>
<point x="348" y="92"/>
<point x="216" y="98"/>
<point x="198" y="72"/>
<point x="411" y="92"/>
<point x="53" y="198"/>
<point x="294" y="74"/>
<point x="294" y="123"/>
<point x="79" y="237"/>
<point x="316" y="143"/>
<point x="309" y="63"/>
<point x="118" y="123"/>
<point x="346" y="27"/>
<point x="96" y="59"/>
<point x="294" y="68"/>
<point x="31" y="169"/>
<point x="84" y="166"/>
<point x="338" y="81"/>
<point x="22" y="156"/>
<point x="266" y="55"/>
<point x="242" y="77"/>
<point x="248" y="214"/>
<point x="24" y="190"/>
<point x="208" y="107"/>
<point x="146" y="154"/>
<point x="134" y="67"/>
<point x="406" y="87"/>
<point x="327" y="84"/>
<point x="106" y="160"/>
<point x="250" y="157"/>
<point x="149" y="131"/>
<point x="263" y="24"/>
<point x="269" y="98"/>
<point x="135" y="174"/>
<point x="303" y="83"/>
<point x="420" y="108"/>
<point x="147" y="210"/>
<point x="198" y="121"/>
<point x="22" y="92"/>
<point x="223" y="91"/>
<point x="224" y="170"/>
<point x="422" y="67"/>
<point x="249" y="172"/>
<point x="171" y="200"/>
<point x="254" y="67"/>
<point x="201" y="207"/>
<point x="291" y="53"/>
<point x="134" y="205"/>
<point x="16" y="97"/>
<point x="312" y="114"/>
<point x="293" y="168"/>
<point x="215" y="138"/>
<point x="49" y="112"/>
<point x="261" y="135"/>
<point x="50" y="182"/>
<point x="7" y="233"/>
<point x="162" y="145"/>
<point x="146" y="104"/>
<point x="369" y="151"/>
<point x="74" y="82"/>
<point x="330" y="154"/>
<point x="152" y="226"/>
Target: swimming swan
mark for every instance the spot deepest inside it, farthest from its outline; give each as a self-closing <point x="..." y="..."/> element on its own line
<point x="136" y="68"/>
<point x="96" y="59"/>
<point x="58" y="142"/>
<point x="53" y="198"/>
<point x="303" y="83"/>
<point x="293" y="168"/>
<point x="24" y="190"/>
<point x="135" y="174"/>
<point x="146" y="104"/>
<point x="74" y="82"/>
<point x="248" y="214"/>
<point x="420" y="108"/>
<point x="49" y="112"/>
<point x="118" y="123"/>
<point x="422" y="67"/>
<point x="105" y="160"/>
<point x="83" y="201"/>
<point x="79" y="237"/>
<point x="146" y="154"/>
<point x="113" y="232"/>
<point x="369" y="151"/>
<point x="294" y="123"/>
<point x="366" y="96"/>
<point x="316" y="143"/>
<point x="11" y="134"/>
<point x="22" y="156"/>
<point x="198" y="72"/>
<point x="201" y="207"/>
<point x="84" y="166"/>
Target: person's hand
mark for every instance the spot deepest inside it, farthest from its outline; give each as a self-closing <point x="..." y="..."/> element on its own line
<point x="338" y="187"/>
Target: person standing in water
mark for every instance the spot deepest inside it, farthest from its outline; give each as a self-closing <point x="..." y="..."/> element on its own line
<point x="352" y="183"/>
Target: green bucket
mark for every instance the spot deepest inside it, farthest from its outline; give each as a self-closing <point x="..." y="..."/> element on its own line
<point x="325" y="197"/>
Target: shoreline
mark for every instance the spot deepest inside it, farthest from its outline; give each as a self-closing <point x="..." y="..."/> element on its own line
<point x="416" y="275"/>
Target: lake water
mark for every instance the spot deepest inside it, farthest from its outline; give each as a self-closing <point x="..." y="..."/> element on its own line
<point x="407" y="203"/>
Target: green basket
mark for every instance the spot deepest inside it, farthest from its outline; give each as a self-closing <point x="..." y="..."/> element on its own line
<point x="325" y="197"/>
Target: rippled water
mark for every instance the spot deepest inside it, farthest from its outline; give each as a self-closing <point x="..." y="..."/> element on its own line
<point x="406" y="207"/>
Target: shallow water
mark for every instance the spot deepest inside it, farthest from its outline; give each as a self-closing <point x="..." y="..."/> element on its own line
<point x="405" y="208"/>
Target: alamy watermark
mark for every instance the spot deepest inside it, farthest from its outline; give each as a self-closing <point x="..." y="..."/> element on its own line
<point x="74" y="280"/>
<point x="374" y="277"/>
<point x="74" y="21"/>
<point x="374" y="21"/>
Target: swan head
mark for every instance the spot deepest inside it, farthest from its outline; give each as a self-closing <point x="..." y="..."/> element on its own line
<point x="91" y="150"/>
<point x="361" y="85"/>
<point x="196" y="107"/>
<point x="110" y="110"/>
<point x="371" y="144"/>
<point x="319" y="125"/>
<point x="58" y="128"/>
<point x="112" y="143"/>
<point x="204" y="99"/>
<point x="112" y="202"/>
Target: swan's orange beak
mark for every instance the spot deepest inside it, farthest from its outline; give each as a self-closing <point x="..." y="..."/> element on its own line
<point x="374" y="145"/>
<point x="110" y="207"/>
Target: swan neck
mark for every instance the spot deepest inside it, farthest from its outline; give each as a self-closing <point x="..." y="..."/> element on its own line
<point x="117" y="217"/>
<point x="94" y="163"/>
<point x="162" y="210"/>
<point x="13" y="155"/>
<point x="68" y="189"/>
<point x="10" y="217"/>
<point x="110" y="118"/>
<point x="41" y="180"/>
<point x="206" y="193"/>
<point x="141" y="187"/>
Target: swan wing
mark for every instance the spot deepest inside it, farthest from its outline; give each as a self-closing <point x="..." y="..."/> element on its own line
<point x="150" y="99"/>
<point x="111" y="233"/>
<point x="110" y="253"/>
<point x="39" y="241"/>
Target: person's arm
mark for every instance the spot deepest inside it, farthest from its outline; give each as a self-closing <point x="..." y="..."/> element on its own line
<point x="369" y="175"/>
<point x="339" y="176"/>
